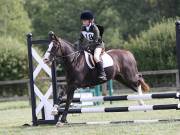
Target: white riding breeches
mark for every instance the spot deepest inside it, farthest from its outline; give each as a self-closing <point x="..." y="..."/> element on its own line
<point x="97" y="53"/>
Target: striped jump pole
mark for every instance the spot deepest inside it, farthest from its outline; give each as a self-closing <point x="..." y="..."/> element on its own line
<point x="124" y="122"/>
<point x="122" y="109"/>
<point x="127" y="97"/>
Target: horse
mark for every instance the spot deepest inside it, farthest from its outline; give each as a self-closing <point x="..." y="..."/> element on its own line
<point x="79" y="75"/>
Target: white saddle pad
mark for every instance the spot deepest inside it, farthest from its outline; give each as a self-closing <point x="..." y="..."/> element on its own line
<point x="106" y="59"/>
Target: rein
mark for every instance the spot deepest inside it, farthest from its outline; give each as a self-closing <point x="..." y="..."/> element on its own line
<point x="64" y="56"/>
<point x="59" y="46"/>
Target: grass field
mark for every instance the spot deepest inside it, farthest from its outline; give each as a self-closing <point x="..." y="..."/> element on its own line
<point x="15" y="114"/>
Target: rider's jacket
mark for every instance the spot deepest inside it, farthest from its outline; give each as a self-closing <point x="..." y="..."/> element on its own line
<point x="90" y="37"/>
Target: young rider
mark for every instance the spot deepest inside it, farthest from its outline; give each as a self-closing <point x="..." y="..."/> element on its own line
<point x="90" y="36"/>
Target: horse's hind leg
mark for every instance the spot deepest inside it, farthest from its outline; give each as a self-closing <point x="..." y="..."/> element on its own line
<point x="133" y="86"/>
<point x="70" y="95"/>
<point x="120" y="79"/>
<point x="142" y="85"/>
<point x="141" y="102"/>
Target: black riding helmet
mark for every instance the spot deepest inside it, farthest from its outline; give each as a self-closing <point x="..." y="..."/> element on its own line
<point x="87" y="15"/>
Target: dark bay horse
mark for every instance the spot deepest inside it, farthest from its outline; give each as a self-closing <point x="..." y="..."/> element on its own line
<point x="79" y="75"/>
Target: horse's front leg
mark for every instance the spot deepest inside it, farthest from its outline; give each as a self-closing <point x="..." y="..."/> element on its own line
<point x="59" y="103"/>
<point x="70" y="95"/>
<point x="60" y="97"/>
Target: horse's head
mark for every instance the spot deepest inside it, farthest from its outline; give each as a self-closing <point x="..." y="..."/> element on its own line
<point x="54" y="49"/>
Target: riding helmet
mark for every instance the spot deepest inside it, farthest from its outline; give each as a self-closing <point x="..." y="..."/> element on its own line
<point x="87" y="15"/>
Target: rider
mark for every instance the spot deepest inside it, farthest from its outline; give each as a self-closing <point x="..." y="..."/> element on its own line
<point x="90" y="36"/>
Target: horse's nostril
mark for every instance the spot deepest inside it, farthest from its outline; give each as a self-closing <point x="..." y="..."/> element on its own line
<point x="45" y="60"/>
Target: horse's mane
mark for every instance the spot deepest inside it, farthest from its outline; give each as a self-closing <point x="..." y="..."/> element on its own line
<point x="67" y="42"/>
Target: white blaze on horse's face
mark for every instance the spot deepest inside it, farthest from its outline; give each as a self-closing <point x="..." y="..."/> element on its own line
<point x="47" y="58"/>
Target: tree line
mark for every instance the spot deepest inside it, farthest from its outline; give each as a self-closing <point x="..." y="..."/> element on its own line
<point x="125" y="23"/>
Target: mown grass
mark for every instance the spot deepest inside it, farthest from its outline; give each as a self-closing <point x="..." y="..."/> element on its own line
<point x="15" y="114"/>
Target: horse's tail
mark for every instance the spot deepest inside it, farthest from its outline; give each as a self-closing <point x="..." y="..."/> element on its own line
<point x="144" y="85"/>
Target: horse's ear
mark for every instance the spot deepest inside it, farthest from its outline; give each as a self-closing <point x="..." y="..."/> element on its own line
<point x="53" y="36"/>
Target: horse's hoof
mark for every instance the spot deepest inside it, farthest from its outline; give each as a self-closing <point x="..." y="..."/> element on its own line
<point x="55" y="110"/>
<point x="59" y="124"/>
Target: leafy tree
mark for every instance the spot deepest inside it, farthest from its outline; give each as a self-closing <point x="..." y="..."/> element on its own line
<point x="61" y="16"/>
<point x="138" y="15"/>
<point x="14" y="19"/>
<point x="121" y="19"/>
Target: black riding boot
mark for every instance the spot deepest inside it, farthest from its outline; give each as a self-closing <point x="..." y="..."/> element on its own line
<point x="101" y="73"/>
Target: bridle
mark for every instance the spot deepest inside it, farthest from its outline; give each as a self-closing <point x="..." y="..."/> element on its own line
<point x="57" y="44"/>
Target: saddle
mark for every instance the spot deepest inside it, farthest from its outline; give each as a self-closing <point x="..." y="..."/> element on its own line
<point x="106" y="60"/>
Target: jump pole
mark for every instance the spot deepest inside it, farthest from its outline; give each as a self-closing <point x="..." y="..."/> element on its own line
<point x="127" y="97"/>
<point x="122" y="109"/>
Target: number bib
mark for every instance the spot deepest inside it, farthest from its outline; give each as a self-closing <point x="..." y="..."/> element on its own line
<point x="88" y="35"/>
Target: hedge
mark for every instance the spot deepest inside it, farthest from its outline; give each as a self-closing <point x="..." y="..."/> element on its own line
<point x="154" y="49"/>
<point x="13" y="59"/>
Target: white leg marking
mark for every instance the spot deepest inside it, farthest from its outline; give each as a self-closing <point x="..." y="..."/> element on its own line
<point x="141" y="102"/>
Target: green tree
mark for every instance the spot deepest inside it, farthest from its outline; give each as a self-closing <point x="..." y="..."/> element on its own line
<point x="14" y="19"/>
<point x="61" y="16"/>
<point x="121" y="18"/>
<point x="139" y="15"/>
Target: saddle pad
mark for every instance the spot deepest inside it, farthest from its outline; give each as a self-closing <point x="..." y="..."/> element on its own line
<point x="106" y="59"/>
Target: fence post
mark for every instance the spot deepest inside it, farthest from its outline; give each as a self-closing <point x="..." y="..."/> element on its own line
<point x="29" y="92"/>
<point x="177" y="80"/>
<point x="110" y="88"/>
<point x="178" y="44"/>
<point x="31" y="81"/>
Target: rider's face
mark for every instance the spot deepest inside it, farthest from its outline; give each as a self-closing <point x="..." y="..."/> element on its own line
<point x="86" y="22"/>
